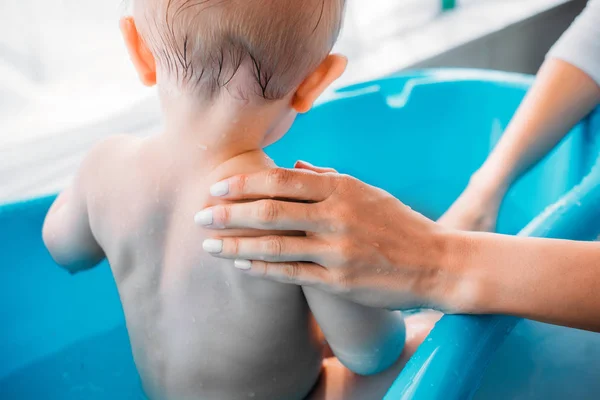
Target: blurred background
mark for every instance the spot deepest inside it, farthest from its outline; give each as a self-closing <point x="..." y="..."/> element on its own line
<point x="66" y="82"/>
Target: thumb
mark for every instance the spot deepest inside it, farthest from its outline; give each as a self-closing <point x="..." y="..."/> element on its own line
<point x="308" y="166"/>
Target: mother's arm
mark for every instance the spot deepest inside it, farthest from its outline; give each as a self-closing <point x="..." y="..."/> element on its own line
<point x="365" y="245"/>
<point x="566" y="88"/>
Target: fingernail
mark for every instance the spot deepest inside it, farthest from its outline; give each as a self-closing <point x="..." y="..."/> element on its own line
<point x="244" y="265"/>
<point x="301" y="163"/>
<point x="213" y="246"/>
<point x="219" y="189"/>
<point x="204" y="217"/>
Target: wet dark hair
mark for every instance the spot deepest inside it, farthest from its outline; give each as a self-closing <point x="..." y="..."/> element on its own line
<point x="203" y="44"/>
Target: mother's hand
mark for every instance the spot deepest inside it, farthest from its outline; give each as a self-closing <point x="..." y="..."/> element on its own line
<point x="360" y="242"/>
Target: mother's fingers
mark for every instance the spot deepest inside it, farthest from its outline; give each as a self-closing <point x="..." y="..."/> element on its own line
<point x="267" y="248"/>
<point x="297" y="273"/>
<point x="263" y="215"/>
<point x="298" y="185"/>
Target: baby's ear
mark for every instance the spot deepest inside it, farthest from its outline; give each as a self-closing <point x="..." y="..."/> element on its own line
<point x="141" y="56"/>
<point x="316" y="83"/>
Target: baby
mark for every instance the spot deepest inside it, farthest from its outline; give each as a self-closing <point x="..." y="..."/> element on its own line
<point x="232" y="75"/>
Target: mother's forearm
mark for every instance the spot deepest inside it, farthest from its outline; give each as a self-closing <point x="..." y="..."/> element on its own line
<point x="560" y="97"/>
<point x="554" y="281"/>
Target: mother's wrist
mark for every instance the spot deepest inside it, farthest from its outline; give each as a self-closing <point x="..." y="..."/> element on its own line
<point x="489" y="185"/>
<point x="494" y="178"/>
<point x="457" y="290"/>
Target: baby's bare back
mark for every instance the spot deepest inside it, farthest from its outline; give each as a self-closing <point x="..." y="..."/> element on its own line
<point x="199" y="328"/>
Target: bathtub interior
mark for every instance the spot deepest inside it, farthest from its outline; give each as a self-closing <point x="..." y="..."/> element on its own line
<point x="438" y="127"/>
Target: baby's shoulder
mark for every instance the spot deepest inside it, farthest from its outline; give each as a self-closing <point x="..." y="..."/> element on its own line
<point x="108" y="161"/>
<point x="117" y="145"/>
<point x="111" y="149"/>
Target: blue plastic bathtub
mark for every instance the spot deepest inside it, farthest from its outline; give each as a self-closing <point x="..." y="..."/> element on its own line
<point x="419" y="136"/>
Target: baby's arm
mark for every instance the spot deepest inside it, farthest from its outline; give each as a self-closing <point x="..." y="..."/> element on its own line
<point x="366" y="340"/>
<point x="66" y="232"/>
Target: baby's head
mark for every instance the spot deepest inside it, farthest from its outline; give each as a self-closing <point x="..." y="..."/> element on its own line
<point x="252" y="51"/>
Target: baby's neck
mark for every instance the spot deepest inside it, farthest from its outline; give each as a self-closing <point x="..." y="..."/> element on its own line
<point x="218" y="131"/>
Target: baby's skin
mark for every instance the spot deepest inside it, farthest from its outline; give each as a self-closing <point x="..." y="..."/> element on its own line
<point x="199" y="328"/>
